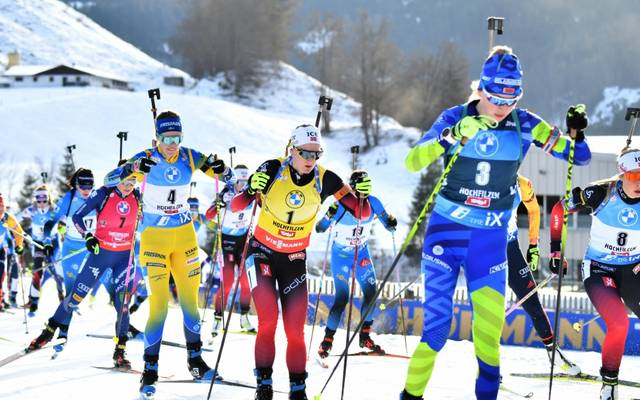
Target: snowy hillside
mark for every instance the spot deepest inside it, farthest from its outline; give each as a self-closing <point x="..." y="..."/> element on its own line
<point x="48" y="32"/>
<point x="72" y="377"/>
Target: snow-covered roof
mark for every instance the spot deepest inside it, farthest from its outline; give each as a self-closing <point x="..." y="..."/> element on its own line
<point x="26" y="70"/>
<point x="610" y="144"/>
<point x="32" y="70"/>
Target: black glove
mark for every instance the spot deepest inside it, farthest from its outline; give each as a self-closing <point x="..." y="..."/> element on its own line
<point x="392" y="222"/>
<point x="143" y="165"/>
<point x="217" y="165"/>
<point x="577" y="119"/>
<point x="92" y="243"/>
<point x="333" y="208"/>
<point x="48" y="249"/>
<point x="554" y="259"/>
<point x="19" y="250"/>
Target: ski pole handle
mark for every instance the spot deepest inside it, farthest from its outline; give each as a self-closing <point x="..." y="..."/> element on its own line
<point x="153" y="95"/>
<point x="494" y="25"/>
<point x="635" y="113"/>
<point x="323" y="101"/>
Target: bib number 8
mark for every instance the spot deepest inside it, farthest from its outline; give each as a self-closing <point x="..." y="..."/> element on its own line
<point x="483" y="173"/>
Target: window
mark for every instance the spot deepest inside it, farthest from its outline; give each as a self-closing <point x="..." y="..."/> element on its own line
<point x="18" y="79"/>
<point x="51" y="79"/>
<point x="35" y="79"/>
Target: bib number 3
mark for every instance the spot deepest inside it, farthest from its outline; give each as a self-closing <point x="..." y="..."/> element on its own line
<point x="483" y="173"/>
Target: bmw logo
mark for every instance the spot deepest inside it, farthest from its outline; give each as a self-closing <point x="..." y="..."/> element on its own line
<point x="295" y="199"/>
<point x="437" y="250"/>
<point x="628" y="216"/>
<point x="172" y="174"/>
<point x="123" y="208"/>
<point x="486" y="143"/>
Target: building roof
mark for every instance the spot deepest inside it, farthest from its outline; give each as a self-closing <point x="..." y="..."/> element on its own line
<point x="33" y="70"/>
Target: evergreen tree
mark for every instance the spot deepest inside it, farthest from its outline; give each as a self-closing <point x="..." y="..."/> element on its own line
<point x="65" y="172"/>
<point x="31" y="181"/>
<point x="428" y="180"/>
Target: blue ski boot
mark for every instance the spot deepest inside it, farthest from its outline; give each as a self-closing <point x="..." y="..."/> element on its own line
<point x="149" y="377"/>
<point x="264" y="390"/>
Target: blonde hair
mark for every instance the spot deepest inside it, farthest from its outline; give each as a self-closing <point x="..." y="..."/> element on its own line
<point x="501" y="49"/>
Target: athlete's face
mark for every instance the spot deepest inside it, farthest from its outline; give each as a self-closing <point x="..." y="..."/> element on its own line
<point x="126" y="187"/>
<point x="304" y="158"/>
<point x="631" y="184"/>
<point x="2" y="209"/>
<point x="487" y="107"/>
<point x="84" y="191"/>
<point x="169" y="143"/>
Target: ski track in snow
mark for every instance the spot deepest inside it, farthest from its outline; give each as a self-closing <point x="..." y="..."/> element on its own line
<point x="71" y="377"/>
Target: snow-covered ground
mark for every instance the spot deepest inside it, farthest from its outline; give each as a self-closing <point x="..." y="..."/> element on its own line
<point x="71" y="375"/>
<point x="49" y="32"/>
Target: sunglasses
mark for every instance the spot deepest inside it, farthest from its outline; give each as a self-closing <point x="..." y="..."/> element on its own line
<point x="632" y="176"/>
<point x="242" y="182"/>
<point x="170" y="139"/>
<point x="129" y="182"/>
<point x="42" y="201"/>
<point x="500" y="101"/>
<point x="85" y="187"/>
<point x="309" y="155"/>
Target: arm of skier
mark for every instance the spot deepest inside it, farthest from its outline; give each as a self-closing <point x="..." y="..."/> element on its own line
<point x="588" y="200"/>
<point x="93" y="203"/>
<point x="13" y="224"/>
<point x="332" y="185"/>
<point x="433" y="143"/>
<point x="388" y="221"/>
<point x="329" y="217"/>
<point x="551" y="140"/>
<point x="258" y="181"/>
<point x="62" y="206"/>
<point x="136" y="165"/>
<point x="211" y="166"/>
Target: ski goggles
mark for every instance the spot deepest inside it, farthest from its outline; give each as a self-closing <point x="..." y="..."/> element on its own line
<point x="129" y="182"/>
<point x="632" y="175"/>
<point x="41" y="198"/>
<point x="308" y="155"/>
<point x="242" y="182"/>
<point x="168" y="140"/>
<point x="500" y="101"/>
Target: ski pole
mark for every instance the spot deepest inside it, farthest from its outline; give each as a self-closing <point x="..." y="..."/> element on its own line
<point x="494" y="25"/>
<point x="322" y="102"/>
<point x="232" y="150"/>
<point x="635" y="113"/>
<point x="390" y="302"/>
<point x="404" y="326"/>
<point x="127" y="293"/>
<point x="324" y="267"/>
<point x="70" y="150"/>
<point x="25" y="236"/>
<point x="352" y="294"/>
<point x="21" y="272"/>
<point x="45" y="177"/>
<point x="577" y="326"/>
<point x="528" y="295"/>
<point x="68" y="256"/>
<point x="355" y="150"/>
<point x="123" y="137"/>
<point x="563" y="243"/>
<point x="235" y="293"/>
<point x="153" y="95"/>
<point x="403" y="248"/>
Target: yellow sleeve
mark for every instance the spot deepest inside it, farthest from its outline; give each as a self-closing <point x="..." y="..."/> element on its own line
<point x="14" y="225"/>
<point x="533" y="208"/>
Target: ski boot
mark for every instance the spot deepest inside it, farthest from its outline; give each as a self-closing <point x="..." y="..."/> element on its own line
<point x="12" y="300"/>
<point x="149" y="377"/>
<point x="296" y="382"/>
<point x="197" y="367"/>
<point x="119" y="360"/>
<point x="406" y="396"/>
<point x="217" y="325"/>
<point x="567" y="366"/>
<point x="367" y="342"/>
<point x="609" y="389"/>
<point x="45" y="336"/>
<point x="134" y="333"/>
<point x="264" y="390"/>
<point x="245" y="324"/>
<point x="33" y="306"/>
<point x="326" y="344"/>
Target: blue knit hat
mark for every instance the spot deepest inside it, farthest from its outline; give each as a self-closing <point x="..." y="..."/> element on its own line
<point x="168" y="124"/>
<point x="502" y="75"/>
